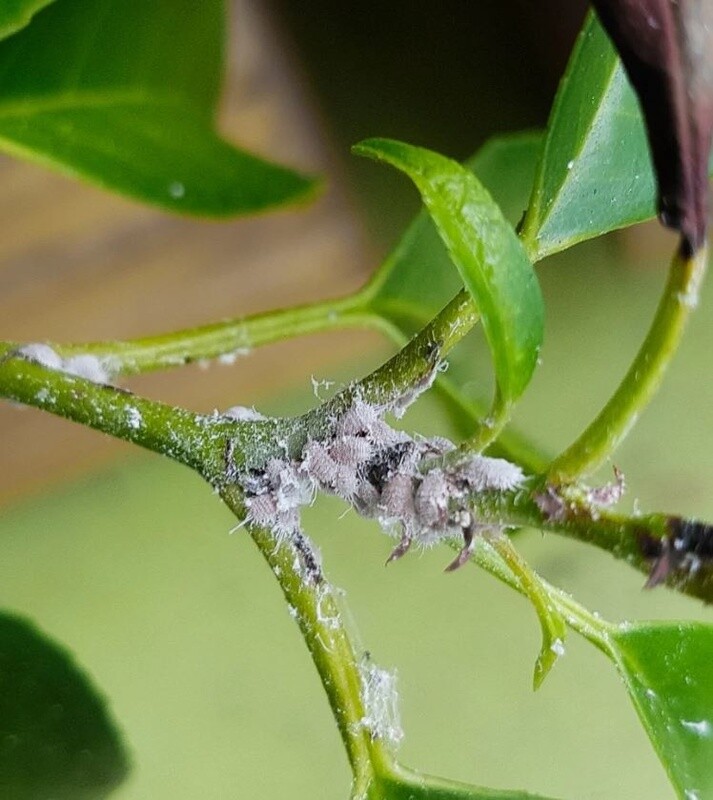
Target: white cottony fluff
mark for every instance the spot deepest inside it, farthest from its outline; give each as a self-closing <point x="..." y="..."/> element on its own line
<point x="483" y="473"/>
<point x="412" y="486"/>
<point x="134" y="418"/>
<point x="243" y="414"/>
<point x="43" y="354"/>
<point x="381" y="710"/>
<point x="89" y="367"/>
<point x="81" y="366"/>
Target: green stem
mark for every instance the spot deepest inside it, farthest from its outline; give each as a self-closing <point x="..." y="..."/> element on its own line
<point x="201" y="441"/>
<point x="490" y="427"/>
<point x="412" y="367"/>
<point x="316" y="611"/>
<point x="642" y="380"/>
<point x="551" y="621"/>
<point x="594" y="629"/>
<point x="229" y="338"/>
<point x="195" y="440"/>
<point x="631" y="539"/>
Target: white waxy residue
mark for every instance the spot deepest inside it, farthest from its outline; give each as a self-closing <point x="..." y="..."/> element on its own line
<point x="88" y="367"/>
<point x="381" y="711"/>
<point x="134" y="418"/>
<point x="557" y="647"/>
<point x="227" y="359"/>
<point x="83" y="365"/>
<point x="43" y="354"/>
<point x="243" y="414"/>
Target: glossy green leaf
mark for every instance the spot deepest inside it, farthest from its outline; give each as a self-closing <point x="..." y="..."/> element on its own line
<point x="15" y="14"/>
<point x="596" y="174"/>
<point x="123" y="94"/>
<point x="56" y="737"/>
<point x="489" y="257"/>
<point x="667" y="672"/>
<point x="418" y="278"/>
<point x="409" y="785"/>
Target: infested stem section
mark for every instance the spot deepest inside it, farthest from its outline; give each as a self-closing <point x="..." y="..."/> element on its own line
<point x="644" y="376"/>
<point x="666" y="548"/>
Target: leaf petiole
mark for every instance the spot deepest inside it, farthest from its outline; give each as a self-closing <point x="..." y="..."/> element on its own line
<point x="640" y="383"/>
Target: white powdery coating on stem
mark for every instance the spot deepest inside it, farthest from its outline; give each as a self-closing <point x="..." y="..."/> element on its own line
<point x="327" y="614"/>
<point x="228" y="359"/>
<point x="43" y="354"/>
<point x="85" y="366"/>
<point x="381" y="707"/>
<point x="134" y="418"/>
<point x="292" y="488"/>
<point x="243" y="414"/>
<point x="88" y="367"/>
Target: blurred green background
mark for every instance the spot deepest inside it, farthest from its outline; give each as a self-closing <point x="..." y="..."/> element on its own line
<point x="183" y="628"/>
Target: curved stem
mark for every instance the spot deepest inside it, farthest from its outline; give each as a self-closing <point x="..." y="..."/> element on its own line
<point x="315" y="609"/>
<point x="641" y="541"/>
<point x="489" y="428"/>
<point x="228" y="339"/>
<point x="400" y="378"/>
<point x="195" y="440"/>
<point x="200" y="441"/>
<point x="595" y="629"/>
<point x="642" y="380"/>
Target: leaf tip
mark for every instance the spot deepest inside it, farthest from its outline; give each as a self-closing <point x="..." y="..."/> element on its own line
<point x="372" y="147"/>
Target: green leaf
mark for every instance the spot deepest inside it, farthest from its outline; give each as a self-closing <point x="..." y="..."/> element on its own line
<point x="595" y="174"/>
<point x="15" y="14"/>
<point x="667" y="671"/>
<point x="487" y="253"/>
<point x="56" y="737"/>
<point x="417" y="279"/>
<point x="123" y="94"/>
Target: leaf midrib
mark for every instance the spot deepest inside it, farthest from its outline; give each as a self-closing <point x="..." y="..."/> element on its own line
<point x="530" y="238"/>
